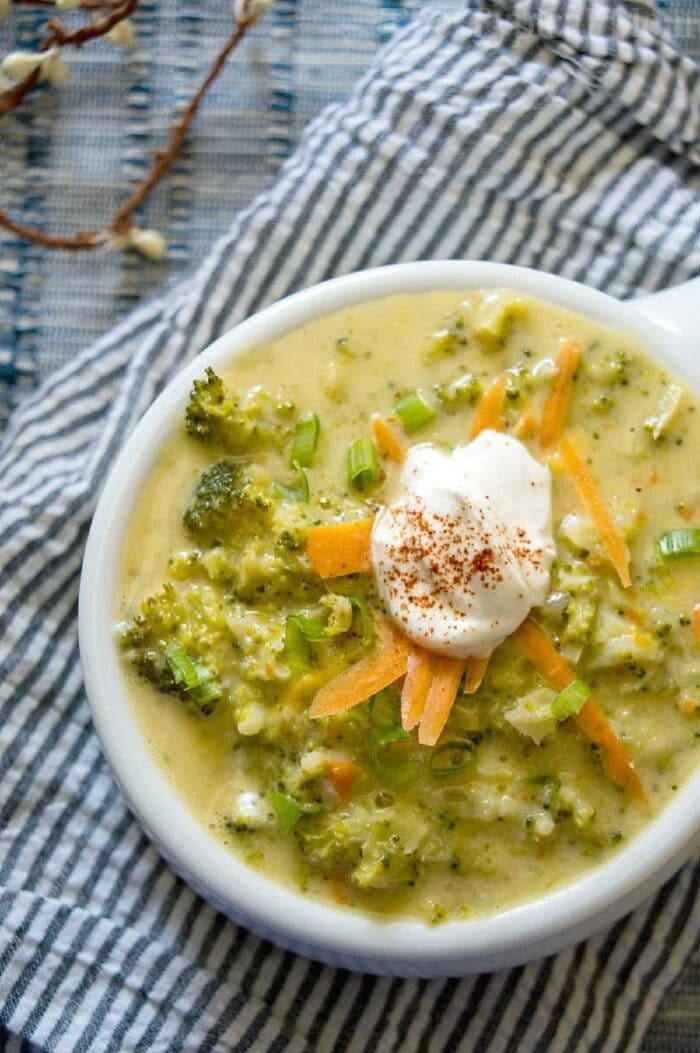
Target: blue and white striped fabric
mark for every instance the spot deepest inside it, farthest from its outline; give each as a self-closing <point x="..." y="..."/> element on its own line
<point x="561" y="135"/>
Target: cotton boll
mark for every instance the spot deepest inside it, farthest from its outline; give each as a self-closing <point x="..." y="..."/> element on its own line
<point x="249" y="10"/>
<point x="55" y="71"/>
<point x="123" y="35"/>
<point x="19" y="64"/>
<point x="150" y="243"/>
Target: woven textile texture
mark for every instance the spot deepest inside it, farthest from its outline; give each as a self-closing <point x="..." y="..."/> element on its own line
<point x="68" y="155"/>
<point x="557" y="134"/>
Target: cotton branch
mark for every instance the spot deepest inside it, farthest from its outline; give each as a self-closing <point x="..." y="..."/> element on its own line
<point x="59" y="36"/>
<point x="164" y="158"/>
<point x="12" y="97"/>
<point x="121" y="231"/>
<point x="91" y="239"/>
<point x="99" y="28"/>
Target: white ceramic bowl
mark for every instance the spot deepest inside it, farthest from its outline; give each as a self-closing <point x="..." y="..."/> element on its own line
<point x="334" y="935"/>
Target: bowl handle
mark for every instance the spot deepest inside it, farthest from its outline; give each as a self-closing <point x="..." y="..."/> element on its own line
<point x="676" y="309"/>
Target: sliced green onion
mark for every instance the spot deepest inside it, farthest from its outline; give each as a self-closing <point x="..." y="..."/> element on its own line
<point x="296" y="646"/>
<point x="682" y="542"/>
<point x="196" y="679"/>
<point x="300" y="494"/>
<point x="414" y="412"/>
<point x="340" y="613"/>
<point x="451" y="758"/>
<point x="384" y="709"/>
<point x="208" y="689"/>
<point x="288" y="810"/>
<point x="180" y="665"/>
<point x="305" y="441"/>
<point x="303" y="628"/>
<point x="207" y="693"/>
<point x="312" y="629"/>
<point x="390" y="762"/>
<point x="363" y="464"/>
<point x="367" y="623"/>
<point x="569" y="701"/>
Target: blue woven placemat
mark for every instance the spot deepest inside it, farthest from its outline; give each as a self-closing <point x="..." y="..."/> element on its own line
<point x="65" y="159"/>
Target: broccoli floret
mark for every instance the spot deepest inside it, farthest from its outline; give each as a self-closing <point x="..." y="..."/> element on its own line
<point x="226" y="504"/>
<point x="386" y="864"/>
<point x="464" y="391"/>
<point x="159" y="618"/>
<point x="611" y="368"/>
<point x="495" y="315"/>
<point x="326" y="843"/>
<point x="216" y="416"/>
<point x="376" y="853"/>
<point x="151" y="645"/>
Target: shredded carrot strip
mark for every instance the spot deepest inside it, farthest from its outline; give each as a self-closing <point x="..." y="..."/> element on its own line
<point x="688" y="706"/>
<point x="356" y="684"/>
<point x="336" y="549"/>
<point x="610" y="535"/>
<point x="526" y="427"/>
<point x="695" y="617"/>
<point x="416" y="686"/>
<point x="590" y="719"/>
<point x="475" y="671"/>
<point x="447" y="675"/>
<point x="488" y="412"/>
<point x="557" y="405"/>
<point x="389" y="445"/>
<point x="342" y="774"/>
<point x="543" y="654"/>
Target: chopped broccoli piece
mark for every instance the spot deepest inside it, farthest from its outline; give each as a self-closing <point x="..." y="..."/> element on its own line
<point x="495" y="315"/>
<point x="386" y="864"/>
<point x="375" y="851"/>
<point x="444" y="344"/>
<point x="226" y="504"/>
<point x="159" y="617"/>
<point x="611" y="368"/>
<point x="464" y="391"/>
<point x="574" y="599"/>
<point x="150" y="641"/>
<point x="215" y="415"/>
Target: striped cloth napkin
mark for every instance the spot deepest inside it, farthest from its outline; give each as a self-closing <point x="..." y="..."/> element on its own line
<point x="561" y="134"/>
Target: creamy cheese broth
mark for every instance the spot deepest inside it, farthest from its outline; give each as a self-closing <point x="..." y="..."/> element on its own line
<point x="347" y="366"/>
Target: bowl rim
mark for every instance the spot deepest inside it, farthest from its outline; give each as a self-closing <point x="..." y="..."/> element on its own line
<point x="519" y="933"/>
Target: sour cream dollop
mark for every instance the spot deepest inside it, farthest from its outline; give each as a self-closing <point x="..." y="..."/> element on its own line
<point x="465" y="551"/>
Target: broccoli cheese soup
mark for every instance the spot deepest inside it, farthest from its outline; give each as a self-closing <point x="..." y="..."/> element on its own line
<point x="409" y="608"/>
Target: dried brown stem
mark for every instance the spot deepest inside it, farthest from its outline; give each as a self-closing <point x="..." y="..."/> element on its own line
<point x="59" y="35"/>
<point x="12" y="97"/>
<point x="77" y="37"/>
<point x="88" y="239"/>
<point x="163" y="158"/>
